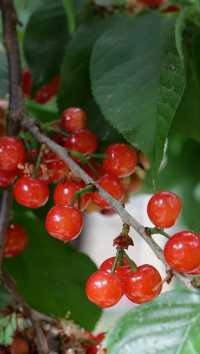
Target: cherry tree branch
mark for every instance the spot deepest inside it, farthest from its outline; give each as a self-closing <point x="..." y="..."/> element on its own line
<point x="30" y="125"/>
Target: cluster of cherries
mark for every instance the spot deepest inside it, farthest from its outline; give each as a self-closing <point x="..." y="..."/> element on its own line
<point x="118" y="276"/>
<point x="30" y="172"/>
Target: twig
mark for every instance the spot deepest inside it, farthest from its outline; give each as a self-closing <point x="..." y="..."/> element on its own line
<point x="6" y="203"/>
<point x="30" y="125"/>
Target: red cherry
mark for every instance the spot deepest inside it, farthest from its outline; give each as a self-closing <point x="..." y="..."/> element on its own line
<point x="96" y="171"/>
<point x="7" y="178"/>
<point x="104" y="289"/>
<point x="152" y="3"/>
<point x="121" y="270"/>
<point x="56" y="169"/>
<point x="16" y="240"/>
<point x="121" y="160"/>
<point x="96" y="347"/>
<point x="83" y="141"/>
<point x="195" y="272"/>
<point x="30" y="192"/>
<point x="26" y="82"/>
<point x="73" y="119"/>
<point x="171" y="9"/>
<point x="12" y="153"/>
<point x="64" y="194"/>
<point x="48" y="91"/>
<point x="59" y="138"/>
<point x="164" y="208"/>
<point x="64" y="223"/>
<point x="182" y="251"/>
<point x="113" y="186"/>
<point x="143" y="285"/>
<point x="19" y="346"/>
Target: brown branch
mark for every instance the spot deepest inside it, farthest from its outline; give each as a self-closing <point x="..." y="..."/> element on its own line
<point x="127" y="218"/>
<point x="5" y="208"/>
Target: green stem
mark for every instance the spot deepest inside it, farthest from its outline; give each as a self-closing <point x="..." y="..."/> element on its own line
<point x="77" y="195"/>
<point x="131" y="262"/>
<point x="155" y="230"/>
<point x="118" y="258"/>
<point x="38" y="161"/>
<point x="98" y="156"/>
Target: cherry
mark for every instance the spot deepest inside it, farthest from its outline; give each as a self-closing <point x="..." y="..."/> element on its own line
<point x="26" y="82"/>
<point x="152" y="3"/>
<point x="73" y="119"/>
<point x="30" y="192"/>
<point x="56" y="169"/>
<point x="64" y="223"/>
<point x="121" y="270"/>
<point x="64" y="193"/>
<point x="96" y="347"/>
<point x="143" y="285"/>
<point x="164" y="208"/>
<point x="121" y="160"/>
<point x="16" y="240"/>
<point x="12" y="153"/>
<point x="48" y="91"/>
<point x="104" y="289"/>
<point x="7" y="178"/>
<point x="19" y="346"/>
<point x="94" y="170"/>
<point x="171" y="9"/>
<point x="59" y="138"/>
<point x="83" y="141"/>
<point x="182" y="251"/>
<point x="113" y="186"/>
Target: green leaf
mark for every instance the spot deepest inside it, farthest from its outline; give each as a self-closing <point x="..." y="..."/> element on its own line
<point x="168" y="325"/>
<point x="45" y="40"/>
<point x="51" y="275"/>
<point x="4" y="297"/>
<point x="69" y="6"/>
<point x="110" y="2"/>
<point x="75" y="81"/>
<point x="3" y="73"/>
<point x="138" y="80"/>
<point x="187" y="120"/>
<point x="44" y="113"/>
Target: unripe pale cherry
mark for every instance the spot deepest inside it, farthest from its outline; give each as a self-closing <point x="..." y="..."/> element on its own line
<point x="12" y="153"/>
<point x="64" y="223"/>
<point x="182" y="251"/>
<point x="164" y="208"/>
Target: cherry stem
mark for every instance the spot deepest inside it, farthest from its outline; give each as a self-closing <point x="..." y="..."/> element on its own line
<point x="155" y="230"/>
<point x="98" y="156"/>
<point x="84" y="160"/>
<point x="118" y="258"/>
<point x="132" y="264"/>
<point x="77" y="195"/>
<point x="125" y="230"/>
<point x="38" y="161"/>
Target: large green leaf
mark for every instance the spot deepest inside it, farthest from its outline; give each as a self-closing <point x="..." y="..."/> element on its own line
<point x="45" y="41"/>
<point x="138" y="80"/>
<point x="75" y="81"/>
<point x="168" y="325"/>
<point x="51" y="275"/>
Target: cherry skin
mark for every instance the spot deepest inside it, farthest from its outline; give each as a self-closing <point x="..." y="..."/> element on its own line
<point x="83" y="141"/>
<point x="7" y="178"/>
<point x="96" y="347"/>
<point x="104" y="289"/>
<point x="64" y="193"/>
<point x="182" y="251"/>
<point x="12" y="153"/>
<point x="30" y="192"/>
<point x="73" y="119"/>
<point x="48" y="91"/>
<point x="26" y="82"/>
<point x="121" y="270"/>
<point x="121" y="160"/>
<point x="143" y="285"/>
<point x="19" y="346"/>
<point x="163" y="209"/>
<point x="113" y="186"/>
<point x="152" y="3"/>
<point x="64" y="223"/>
<point x="54" y="168"/>
<point x="16" y="240"/>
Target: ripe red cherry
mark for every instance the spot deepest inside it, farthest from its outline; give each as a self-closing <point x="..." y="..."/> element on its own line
<point x="113" y="186"/>
<point x="7" y="178"/>
<point x="94" y="170"/>
<point x="73" y="119"/>
<point x="64" y="223"/>
<point x="182" y="251"/>
<point x="16" y="240"/>
<point x="143" y="285"/>
<point x="48" y="91"/>
<point x="152" y="3"/>
<point x="12" y="153"/>
<point x="26" y="82"/>
<point x="121" y="270"/>
<point x="164" y="208"/>
<point x="64" y="193"/>
<point x="30" y="192"/>
<point x="83" y="141"/>
<point x="96" y="347"/>
<point x="54" y="169"/>
<point x="19" y="346"/>
<point x="104" y="289"/>
<point x="121" y="160"/>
